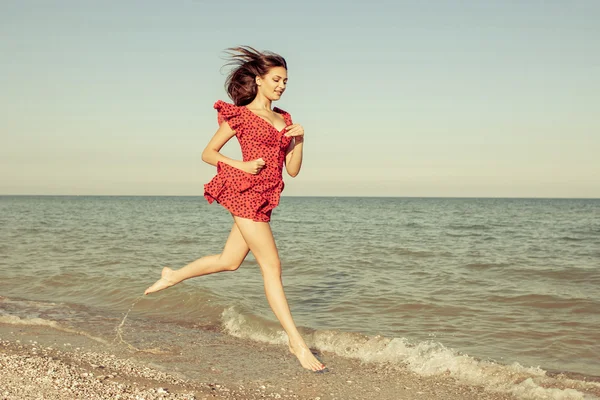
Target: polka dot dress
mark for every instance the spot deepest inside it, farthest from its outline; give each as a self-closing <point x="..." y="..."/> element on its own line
<point x="243" y="194"/>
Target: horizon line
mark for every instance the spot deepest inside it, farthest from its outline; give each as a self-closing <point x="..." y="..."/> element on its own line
<point x="321" y="196"/>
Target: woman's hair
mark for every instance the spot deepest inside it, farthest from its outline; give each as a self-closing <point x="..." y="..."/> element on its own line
<point x="248" y="63"/>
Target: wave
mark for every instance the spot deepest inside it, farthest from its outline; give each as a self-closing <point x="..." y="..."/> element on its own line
<point x="480" y="227"/>
<point x="572" y="239"/>
<point x="573" y="274"/>
<point x="425" y="358"/>
<point x="486" y="266"/>
<point x="413" y="253"/>
<point x="186" y="240"/>
<point x="16" y="320"/>
<point x="546" y="301"/>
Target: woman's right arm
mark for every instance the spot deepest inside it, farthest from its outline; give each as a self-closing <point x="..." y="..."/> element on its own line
<point x="212" y="156"/>
<point x="211" y="153"/>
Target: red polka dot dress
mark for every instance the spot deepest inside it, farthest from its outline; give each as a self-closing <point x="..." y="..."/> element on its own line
<point x="243" y="194"/>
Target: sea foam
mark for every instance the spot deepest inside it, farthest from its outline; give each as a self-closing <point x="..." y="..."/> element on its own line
<point x="16" y="320"/>
<point x="425" y="358"/>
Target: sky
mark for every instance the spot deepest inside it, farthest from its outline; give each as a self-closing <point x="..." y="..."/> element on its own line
<point x="451" y="98"/>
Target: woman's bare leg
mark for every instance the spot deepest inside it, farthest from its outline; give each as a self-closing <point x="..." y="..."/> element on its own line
<point x="259" y="237"/>
<point x="231" y="257"/>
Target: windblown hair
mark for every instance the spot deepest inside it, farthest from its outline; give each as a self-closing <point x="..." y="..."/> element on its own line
<point x="248" y="63"/>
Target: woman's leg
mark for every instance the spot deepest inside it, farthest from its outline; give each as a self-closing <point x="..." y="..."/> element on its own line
<point x="230" y="259"/>
<point x="260" y="240"/>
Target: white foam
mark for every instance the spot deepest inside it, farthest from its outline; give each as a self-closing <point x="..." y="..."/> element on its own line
<point x="424" y="358"/>
<point x="15" y="320"/>
<point x="240" y="326"/>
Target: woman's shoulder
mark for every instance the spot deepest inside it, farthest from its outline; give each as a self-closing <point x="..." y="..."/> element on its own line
<point x="228" y="109"/>
<point x="280" y="111"/>
<point x="287" y="117"/>
<point x="223" y="105"/>
<point x="228" y="112"/>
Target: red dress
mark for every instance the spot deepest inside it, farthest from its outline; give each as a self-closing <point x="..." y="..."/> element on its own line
<point x="243" y="194"/>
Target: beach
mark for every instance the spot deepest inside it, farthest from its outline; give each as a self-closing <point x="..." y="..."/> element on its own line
<point x="39" y="363"/>
<point x="432" y="299"/>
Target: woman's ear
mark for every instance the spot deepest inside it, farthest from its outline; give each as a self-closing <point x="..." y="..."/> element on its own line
<point x="257" y="80"/>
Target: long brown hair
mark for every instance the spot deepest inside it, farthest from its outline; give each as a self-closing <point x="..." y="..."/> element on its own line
<point x="248" y="63"/>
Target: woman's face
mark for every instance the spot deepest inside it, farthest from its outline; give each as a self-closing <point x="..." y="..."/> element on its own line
<point x="273" y="84"/>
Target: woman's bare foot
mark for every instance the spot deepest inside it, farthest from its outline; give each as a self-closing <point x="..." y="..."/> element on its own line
<point x="164" y="282"/>
<point x="306" y="358"/>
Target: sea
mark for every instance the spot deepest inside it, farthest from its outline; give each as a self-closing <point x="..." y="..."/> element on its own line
<point x="474" y="287"/>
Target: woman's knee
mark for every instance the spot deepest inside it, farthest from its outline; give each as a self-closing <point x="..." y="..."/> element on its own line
<point x="232" y="266"/>
<point x="271" y="268"/>
<point x="229" y="265"/>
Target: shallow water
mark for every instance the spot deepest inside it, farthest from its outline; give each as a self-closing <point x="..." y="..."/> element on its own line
<point x="382" y="279"/>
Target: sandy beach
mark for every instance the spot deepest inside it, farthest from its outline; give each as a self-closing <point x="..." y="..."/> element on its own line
<point x="39" y="363"/>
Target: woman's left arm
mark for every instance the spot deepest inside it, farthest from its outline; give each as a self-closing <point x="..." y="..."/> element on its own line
<point x="293" y="156"/>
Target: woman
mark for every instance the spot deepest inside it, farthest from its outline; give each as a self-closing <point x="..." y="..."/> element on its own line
<point x="250" y="189"/>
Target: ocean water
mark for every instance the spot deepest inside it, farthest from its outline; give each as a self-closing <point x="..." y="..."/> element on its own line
<point x="473" y="287"/>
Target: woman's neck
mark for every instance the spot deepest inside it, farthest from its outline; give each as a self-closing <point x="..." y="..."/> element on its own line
<point x="260" y="103"/>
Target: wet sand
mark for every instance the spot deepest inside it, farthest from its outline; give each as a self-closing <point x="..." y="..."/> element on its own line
<point x="39" y="362"/>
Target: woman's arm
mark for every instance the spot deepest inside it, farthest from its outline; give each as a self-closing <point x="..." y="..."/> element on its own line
<point x="212" y="156"/>
<point x="293" y="156"/>
<point x="211" y="153"/>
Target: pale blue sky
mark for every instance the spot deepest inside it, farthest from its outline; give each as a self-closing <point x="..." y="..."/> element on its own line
<point x="397" y="98"/>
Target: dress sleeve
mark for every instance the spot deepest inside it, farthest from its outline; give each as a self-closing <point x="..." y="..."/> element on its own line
<point x="230" y="113"/>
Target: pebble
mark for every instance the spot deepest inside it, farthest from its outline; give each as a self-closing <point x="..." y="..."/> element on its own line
<point x="61" y="378"/>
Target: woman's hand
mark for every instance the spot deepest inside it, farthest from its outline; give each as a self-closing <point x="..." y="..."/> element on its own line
<point x="254" y="167"/>
<point x="296" y="131"/>
<point x="293" y="155"/>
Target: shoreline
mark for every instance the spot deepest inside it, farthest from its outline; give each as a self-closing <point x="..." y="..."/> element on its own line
<point x="37" y="360"/>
